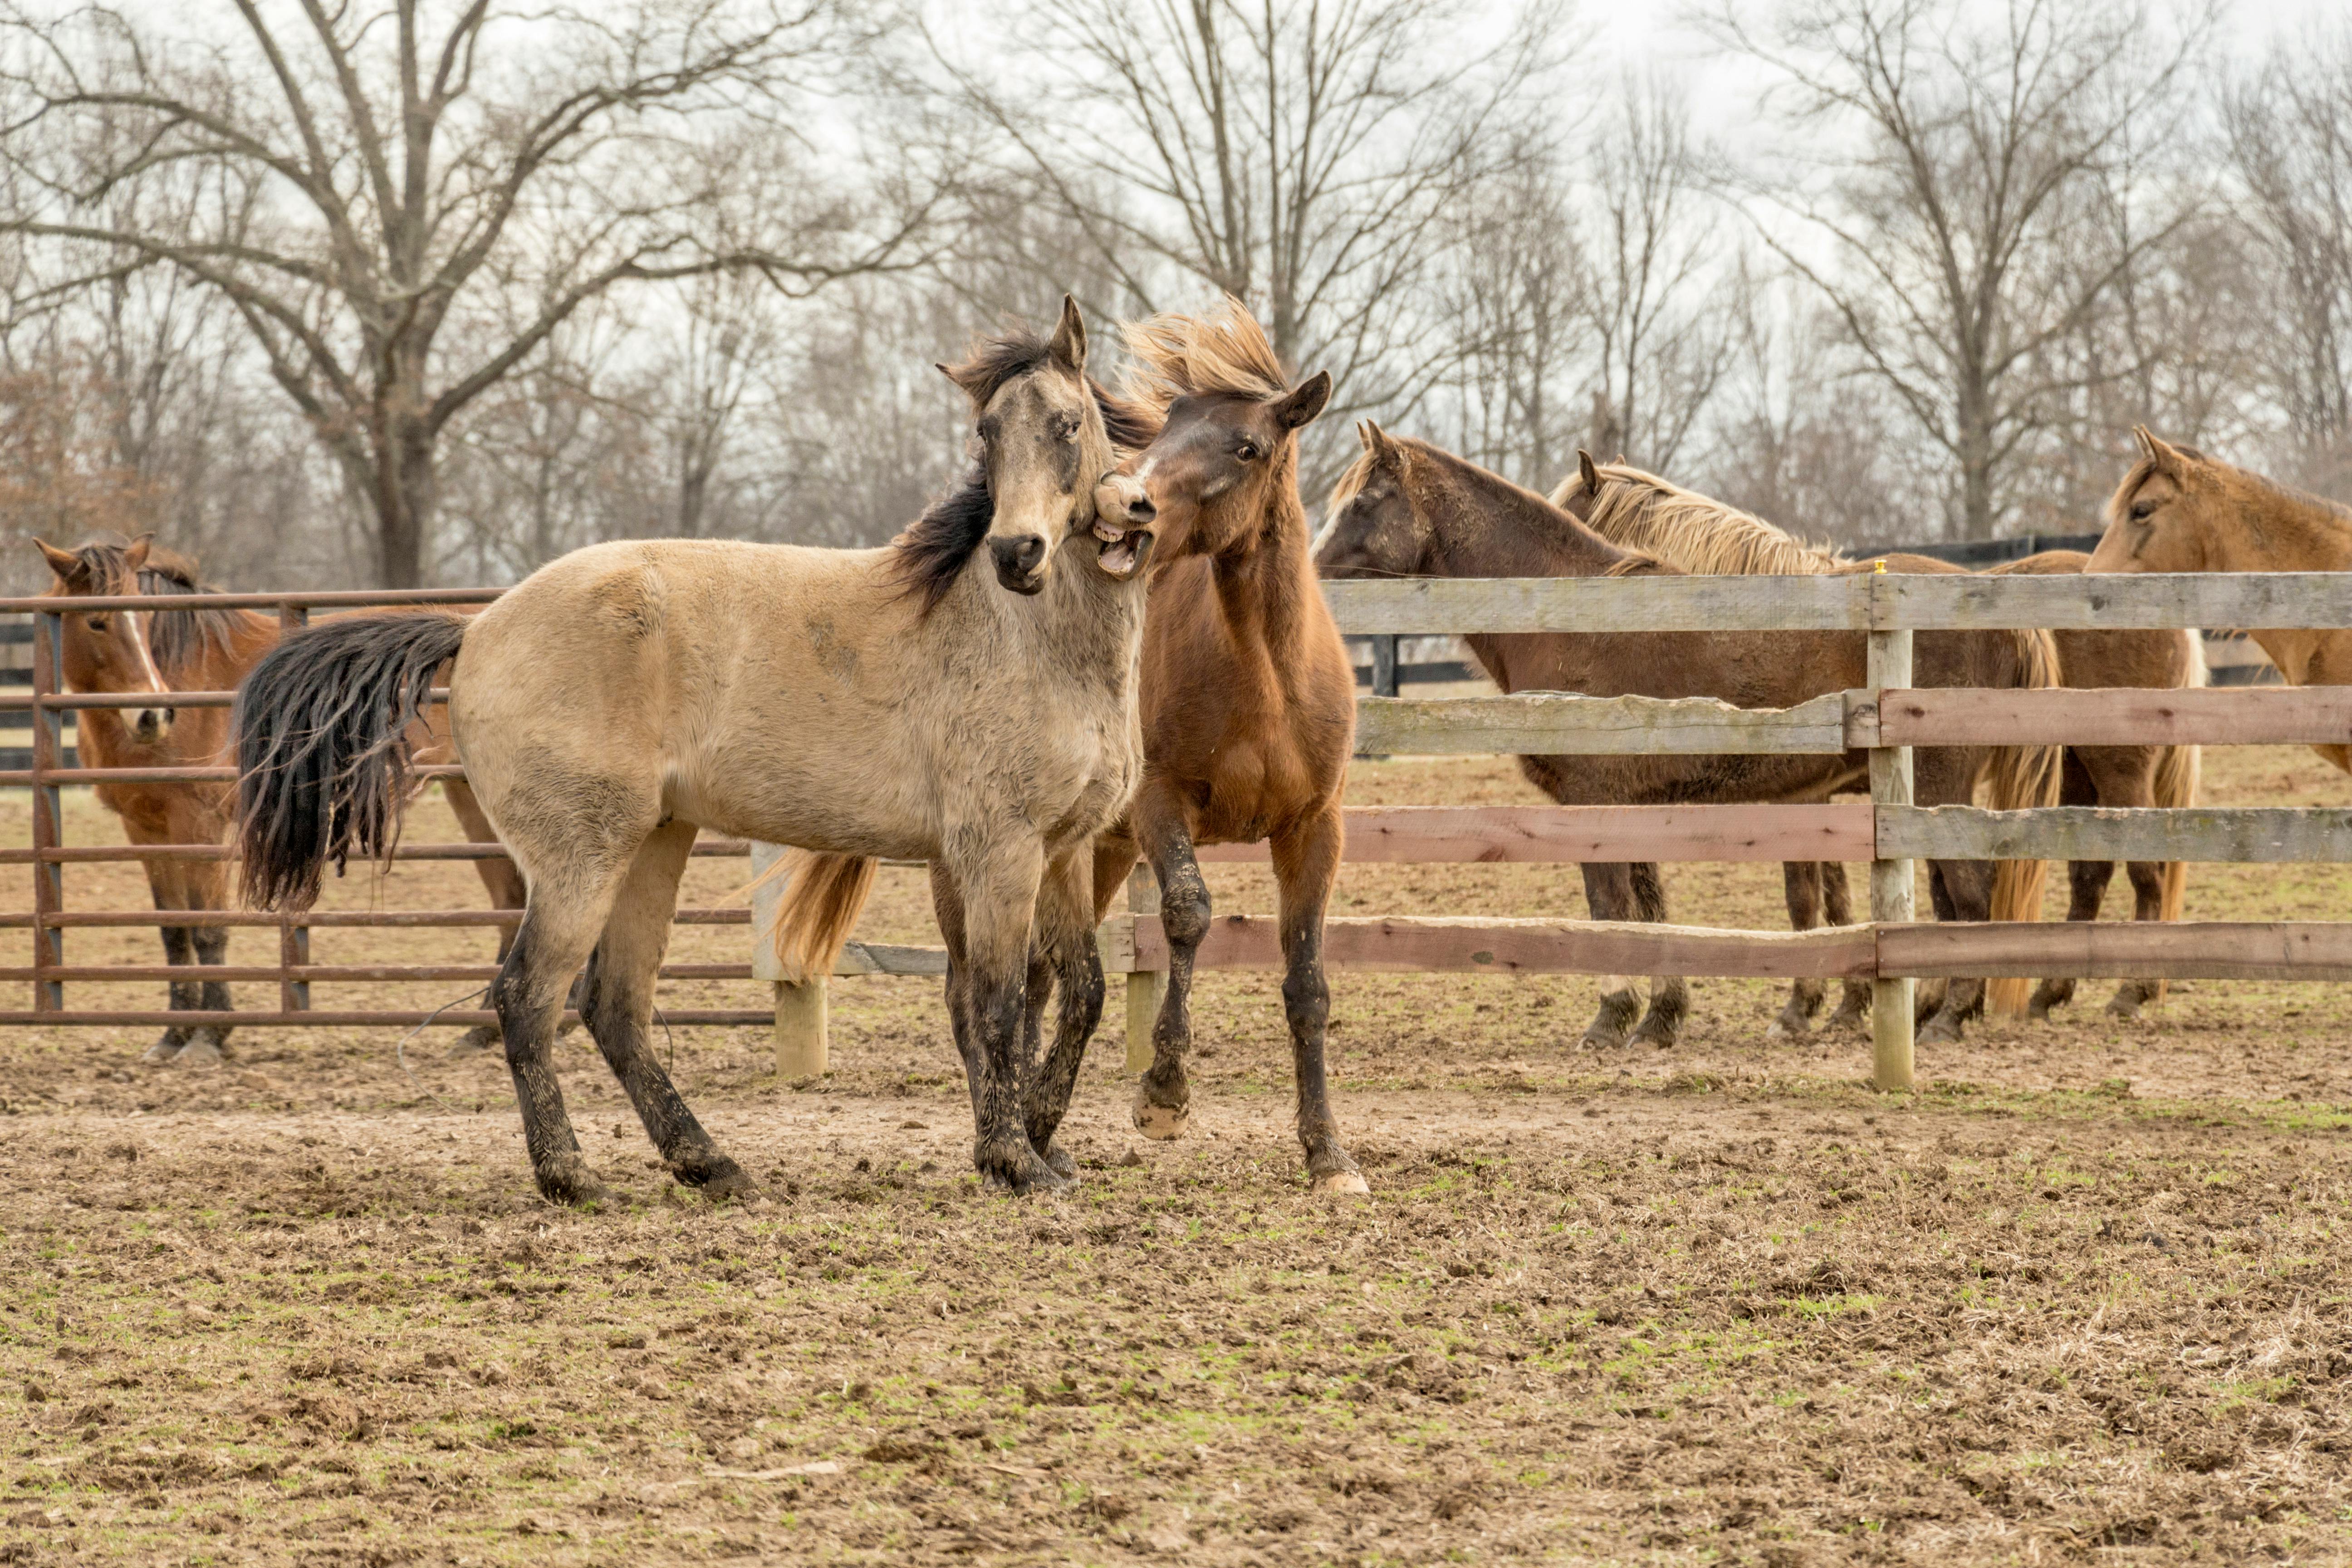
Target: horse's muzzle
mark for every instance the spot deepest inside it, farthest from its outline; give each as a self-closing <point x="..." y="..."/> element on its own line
<point x="1020" y="563"/>
<point x="1123" y="517"/>
<point x="150" y="725"/>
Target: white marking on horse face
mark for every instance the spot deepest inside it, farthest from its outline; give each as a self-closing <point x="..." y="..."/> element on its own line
<point x="148" y="721"/>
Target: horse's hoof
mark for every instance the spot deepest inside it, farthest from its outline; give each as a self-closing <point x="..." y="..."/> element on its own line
<point x="2124" y="1006"/>
<point x="202" y="1050"/>
<point x="1057" y="1160"/>
<point x="476" y="1041"/>
<point x="1786" y="1029"/>
<point x="1350" y="1183"/>
<point x="1022" y="1178"/>
<point x="1661" y="1036"/>
<point x="568" y="1181"/>
<point x="713" y="1174"/>
<point x="1940" y="1030"/>
<point x="172" y="1043"/>
<point x="1162" y="1122"/>
<point x="1601" y="1036"/>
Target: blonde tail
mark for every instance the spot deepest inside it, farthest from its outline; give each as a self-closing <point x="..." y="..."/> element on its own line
<point x="2178" y="772"/>
<point x="2023" y="778"/>
<point x="819" y="909"/>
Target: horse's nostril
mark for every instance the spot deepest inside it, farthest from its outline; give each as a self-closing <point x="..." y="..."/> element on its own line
<point x="1140" y="510"/>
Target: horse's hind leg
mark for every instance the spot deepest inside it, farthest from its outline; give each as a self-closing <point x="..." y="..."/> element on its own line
<point x="1669" y="994"/>
<point x="569" y="900"/>
<point x="1305" y="865"/>
<point x="2086" y="881"/>
<point x="2147" y="904"/>
<point x="501" y="879"/>
<point x="1837" y="907"/>
<point x="1608" y="896"/>
<point x="617" y="1005"/>
<point x="1960" y="890"/>
<point x="1803" y="882"/>
<point x="1163" y="1100"/>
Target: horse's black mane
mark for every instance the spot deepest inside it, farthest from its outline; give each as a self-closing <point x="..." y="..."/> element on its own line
<point x="179" y="637"/>
<point x="933" y="551"/>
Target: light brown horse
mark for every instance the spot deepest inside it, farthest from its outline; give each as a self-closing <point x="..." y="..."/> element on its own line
<point x="964" y="696"/>
<point x="1700" y="534"/>
<point x="2132" y="776"/>
<point x="1409" y="508"/>
<point x="1249" y="700"/>
<point x="186" y="645"/>
<point x="2180" y="511"/>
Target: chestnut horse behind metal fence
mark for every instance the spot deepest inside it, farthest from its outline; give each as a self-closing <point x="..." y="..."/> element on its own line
<point x="185" y="645"/>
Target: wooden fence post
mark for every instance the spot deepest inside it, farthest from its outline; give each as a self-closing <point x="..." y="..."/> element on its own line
<point x="802" y="1049"/>
<point x="1146" y="989"/>
<point x="1891" y="881"/>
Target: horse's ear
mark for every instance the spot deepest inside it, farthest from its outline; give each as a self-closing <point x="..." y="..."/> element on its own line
<point x="1383" y="447"/>
<point x="968" y="381"/>
<point x="64" y="563"/>
<point x="134" y="555"/>
<point x="1588" y="472"/>
<point x="1300" y="406"/>
<point x="1068" y="348"/>
<point x="2165" y="457"/>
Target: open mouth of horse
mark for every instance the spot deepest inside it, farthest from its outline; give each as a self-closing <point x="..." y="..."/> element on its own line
<point x="1123" y="548"/>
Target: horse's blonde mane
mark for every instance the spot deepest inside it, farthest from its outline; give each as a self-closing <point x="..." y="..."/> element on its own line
<point x="1695" y="532"/>
<point x="1223" y="349"/>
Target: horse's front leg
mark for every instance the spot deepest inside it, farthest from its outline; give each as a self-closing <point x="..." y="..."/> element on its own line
<point x="1066" y="951"/>
<point x="1801" y="880"/>
<point x="1669" y="994"/>
<point x="1960" y="890"/>
<point x="998" y="919"/>
<point x="166" y="879"/>
<point x="1608" y="896"/>
<point x="1163" y="1100"/>
<point x="1852" y="1014"/>
<point x="1306" y="863"/>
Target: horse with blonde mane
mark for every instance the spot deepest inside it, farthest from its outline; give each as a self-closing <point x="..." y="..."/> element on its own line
<point x="1701" y="535"/>
<point x="2180" y="510"/>
<point x="1410" y="508"/>
<point x="964" y="695"/>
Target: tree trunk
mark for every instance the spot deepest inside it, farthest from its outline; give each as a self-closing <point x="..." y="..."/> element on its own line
<point x="403" y="496"/>
<point x="1975" y="453"/>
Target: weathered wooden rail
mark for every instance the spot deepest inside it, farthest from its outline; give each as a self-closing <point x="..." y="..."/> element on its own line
<point x="1884" y="720"/>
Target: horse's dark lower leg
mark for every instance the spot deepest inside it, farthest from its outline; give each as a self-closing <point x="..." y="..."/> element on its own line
<point x="617" y="1005"/>
<point x="1669" y="994"/>
<point x="2086" y="890"/>
<point x="2147" y="904"/>
<point x="1305" y="865"/>
<point x="1608" y="896"/>
<point x="1801" y="883"/>
<point x="188" y="995"/>
<point x="561" y="927"/>
<point x="1163" y="1099"/>
<point x="1079" y="984"/>
<point x="995" y="926"/>
<point x="1837" y="907"/>
<point x="1959" y="890"/>
<point x="208" y="1043"/>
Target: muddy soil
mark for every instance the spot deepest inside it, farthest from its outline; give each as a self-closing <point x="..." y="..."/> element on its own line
<point x="2082" y="1298"/>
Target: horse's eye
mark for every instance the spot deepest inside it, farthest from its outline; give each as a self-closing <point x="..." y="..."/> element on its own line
<point x="1066" y="429"/>
<point x="2142" y="511"/>
<point x="98" y="623"/>
<point x="1248" y="452"/>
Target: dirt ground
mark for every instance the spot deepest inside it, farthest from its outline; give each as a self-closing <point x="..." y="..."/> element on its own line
<point x="2081" y="1297"/>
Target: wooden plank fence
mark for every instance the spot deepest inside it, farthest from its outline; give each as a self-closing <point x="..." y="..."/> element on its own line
<point x="1884" y="721"/>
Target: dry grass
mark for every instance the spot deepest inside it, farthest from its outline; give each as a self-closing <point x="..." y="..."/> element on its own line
<point x="2081" y="1297"/>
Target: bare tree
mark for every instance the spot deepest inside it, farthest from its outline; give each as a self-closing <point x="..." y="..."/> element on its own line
<point x="1306" y="159"/>
<point x="2290" y="137"/>
<point x="1968" y="153"/>
<point x="401" y="208"/>
<point x="1513" y="301"/>
<point x="1651" y="256"/>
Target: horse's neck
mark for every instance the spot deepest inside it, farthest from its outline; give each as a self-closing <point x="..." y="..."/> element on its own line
<point x="1268" y="591"/>
<point x="1500" y="535"/>
<point x="2282" y="536"/>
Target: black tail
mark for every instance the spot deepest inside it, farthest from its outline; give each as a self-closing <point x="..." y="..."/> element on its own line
<point x="322" y="747"/>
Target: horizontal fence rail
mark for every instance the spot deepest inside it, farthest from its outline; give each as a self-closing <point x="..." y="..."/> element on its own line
<point x="1883" y="721"/>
